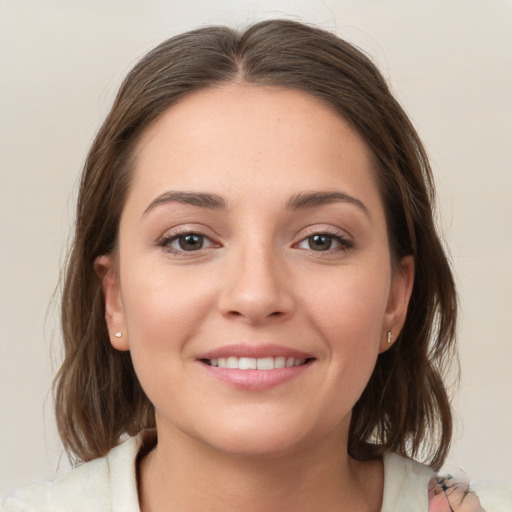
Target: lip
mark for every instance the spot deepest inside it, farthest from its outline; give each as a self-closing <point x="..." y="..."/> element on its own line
<point x="255" y="380"/>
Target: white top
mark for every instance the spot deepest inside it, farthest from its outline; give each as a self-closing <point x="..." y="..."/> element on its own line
<point x="109" y="484"/>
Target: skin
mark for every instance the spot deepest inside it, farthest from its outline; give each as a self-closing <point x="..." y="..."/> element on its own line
<point x="258" y="279"/>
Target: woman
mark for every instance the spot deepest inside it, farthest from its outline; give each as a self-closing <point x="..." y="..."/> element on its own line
<point x="256" y="294"/>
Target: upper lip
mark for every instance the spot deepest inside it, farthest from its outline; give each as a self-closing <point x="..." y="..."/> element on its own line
<point x="256" y="351"/>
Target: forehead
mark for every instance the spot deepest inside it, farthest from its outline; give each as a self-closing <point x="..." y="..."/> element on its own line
<point x="224" y="138"/>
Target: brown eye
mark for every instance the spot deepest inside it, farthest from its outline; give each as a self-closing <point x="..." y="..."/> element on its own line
<point x="325" y="242"/>
<point x="320" y="242"/>
<point x="190" y="242"/>
<point x="186" y="243"/>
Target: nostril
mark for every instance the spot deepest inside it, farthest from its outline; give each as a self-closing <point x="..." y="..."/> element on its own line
<point x="273" y="314"/>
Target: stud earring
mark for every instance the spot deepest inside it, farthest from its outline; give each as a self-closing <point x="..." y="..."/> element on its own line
<point x="118" y="334"/>
<point x="390" y="337"/>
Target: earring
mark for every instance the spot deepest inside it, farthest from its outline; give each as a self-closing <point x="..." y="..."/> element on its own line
<point x="390" y="337"/>
<point x="118" y="334"/>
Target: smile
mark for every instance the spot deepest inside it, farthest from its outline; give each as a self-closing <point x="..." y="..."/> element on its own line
<point x="252" y="363"/>
<point x="255" y="366"/>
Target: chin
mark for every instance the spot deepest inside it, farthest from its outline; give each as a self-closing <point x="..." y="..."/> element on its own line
<point x="261" y="439"/>
<point x="256" y="448"/>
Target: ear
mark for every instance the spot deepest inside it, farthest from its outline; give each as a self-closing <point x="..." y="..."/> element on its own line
<point x="402" y="282"/>
<point x="106" y="268"/>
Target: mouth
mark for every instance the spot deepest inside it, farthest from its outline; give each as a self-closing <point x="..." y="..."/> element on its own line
<point x="253" y="363"/>
<point x="255" y="367"/>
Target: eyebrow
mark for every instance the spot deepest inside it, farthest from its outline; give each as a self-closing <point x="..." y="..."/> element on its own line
<point x="300" y="201"/>
<point x="201" y="199"/>
<point x="307" y="200"/>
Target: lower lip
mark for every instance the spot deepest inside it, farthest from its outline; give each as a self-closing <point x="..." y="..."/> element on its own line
<point x="256" y="380"/>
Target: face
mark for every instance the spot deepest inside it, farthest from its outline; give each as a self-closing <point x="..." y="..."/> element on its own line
<point x="252" y="282"/>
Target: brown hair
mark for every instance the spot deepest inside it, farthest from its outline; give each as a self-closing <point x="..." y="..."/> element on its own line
<point x="405" y="406"/>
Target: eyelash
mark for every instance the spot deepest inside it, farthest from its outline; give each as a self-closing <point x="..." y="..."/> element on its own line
<point x="344" y="243"/>
<point x="167" y="240"/>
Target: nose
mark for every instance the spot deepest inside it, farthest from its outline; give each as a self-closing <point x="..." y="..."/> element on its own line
<point x="257" y="288"/>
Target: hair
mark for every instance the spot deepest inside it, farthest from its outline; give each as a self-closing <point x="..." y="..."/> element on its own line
<point x="405" y="405"/>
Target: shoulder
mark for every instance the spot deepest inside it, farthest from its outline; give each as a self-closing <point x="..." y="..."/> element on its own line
<point x="450" y="494"/>
<point x="413" y="487"/>
<point x="96" y="485"/>
<point x="89" y="481"/>
<point x="405" y="484"/>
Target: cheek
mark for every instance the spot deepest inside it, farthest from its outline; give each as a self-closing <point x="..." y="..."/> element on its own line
<point x="349" y="314"/>
<point x="350" y="304"/>
<point x="163" y="310"/>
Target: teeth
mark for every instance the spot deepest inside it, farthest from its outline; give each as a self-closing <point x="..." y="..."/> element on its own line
<point x="231" y="362"/>
<point x="246" y="363"/>
<point x="279" y="362"/>
<point x="251" y="363"/>
<point x="265" y="363"/>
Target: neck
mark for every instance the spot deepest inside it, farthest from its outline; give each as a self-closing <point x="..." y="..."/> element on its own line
<point x="321" y="476"/>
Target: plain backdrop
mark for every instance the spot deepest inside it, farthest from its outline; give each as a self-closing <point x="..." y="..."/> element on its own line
<point x="449" y="63"/>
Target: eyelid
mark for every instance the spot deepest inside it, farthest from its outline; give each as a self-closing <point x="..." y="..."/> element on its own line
<point x="173" y="234"/>
<point x="344" y="239"/>
<point x="326" y="229"/>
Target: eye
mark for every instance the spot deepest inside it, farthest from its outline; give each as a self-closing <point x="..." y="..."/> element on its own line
<point x="185" y="242"/>
<point x="190" y="242"/>
<point x="322" y="242"/>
